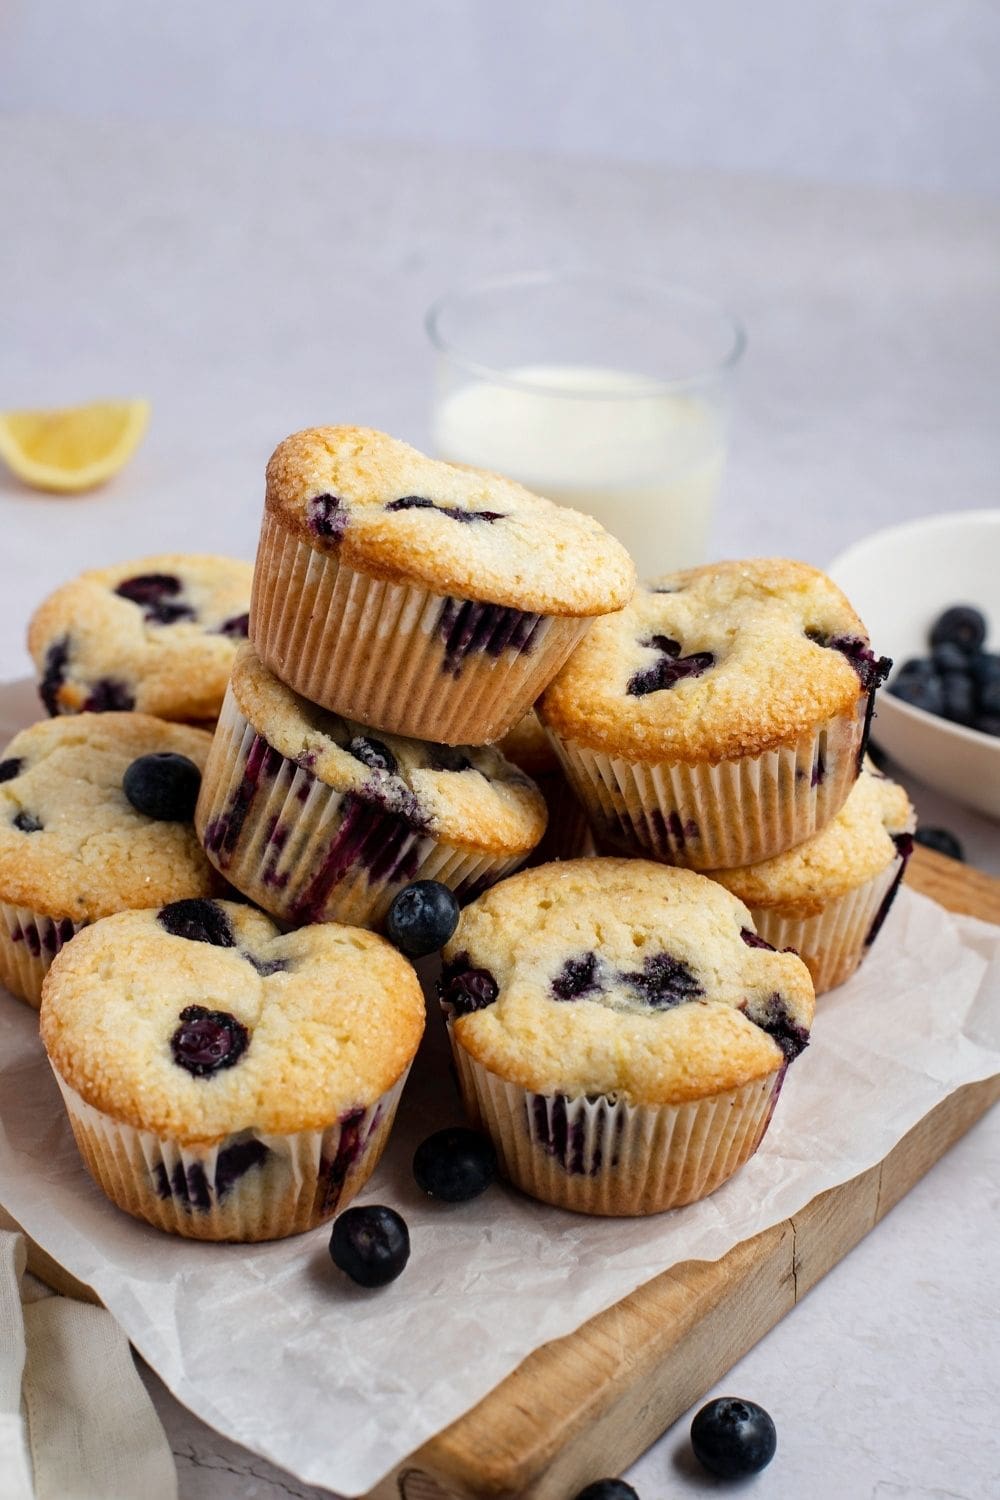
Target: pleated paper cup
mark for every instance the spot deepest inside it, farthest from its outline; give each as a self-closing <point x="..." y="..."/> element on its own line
<point x="29" y="941"/>
<point x="395" y="656"/>
<point x="833" y="942"/>
<point x="248" y="1186"/>
<point x="604" y="1156"/>
<point x="712" y="817"/>
<point x="308" y="853"/>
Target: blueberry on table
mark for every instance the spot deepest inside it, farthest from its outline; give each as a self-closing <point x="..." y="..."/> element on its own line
<point x="941" y="840"/>
<point x="455" y="1164"/>
<point x="163" y="786"/>
<point x="371" y="1245"/>
<point x="733" y="1438"/>
<point x="962" y="625"/>
<point x="422" y="918"/>
<point x="608" y="1489"/>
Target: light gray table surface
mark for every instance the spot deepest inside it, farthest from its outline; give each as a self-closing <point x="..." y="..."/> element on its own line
<point x="250" y="285"/>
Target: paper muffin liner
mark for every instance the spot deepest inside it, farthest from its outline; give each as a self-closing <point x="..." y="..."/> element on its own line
<point x="396" y="656"/>
<point x="247" y="1186"/>
<point x="604" y="1156"/>
<point x="833" y="942"/>
<point x="713" y="817"/>
<point x="568" y="834"/>
<point x="307" y="853"/>
<point x="29" y="941"/>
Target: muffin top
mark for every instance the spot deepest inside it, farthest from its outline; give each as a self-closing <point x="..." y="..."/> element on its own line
<point x="622" y="977"/>
<point x="389" y="511"/>
<point x="714" y="663"/>
<point x="469" y="795"/>
<point x="202" y="1018"/>
<point x="158" y="635"/>
<point x="855" y="847"/>
<point x="71" y="843"/>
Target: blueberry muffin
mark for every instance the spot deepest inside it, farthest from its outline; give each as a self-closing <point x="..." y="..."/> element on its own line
<point x="722" y="717"/>
<point x="568" y="834"/>
<point x="827" y="898"/>
<point x="225" y="1081"/>
<point x="317" y="819"/>
<point x="418" y="597"/>
<point x="74" y="848"/>
<point x="158" y="635"/>
<point x="619" y="1031"/>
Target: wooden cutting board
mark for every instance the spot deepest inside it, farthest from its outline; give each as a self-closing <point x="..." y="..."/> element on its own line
<point x="592" y="1402"/>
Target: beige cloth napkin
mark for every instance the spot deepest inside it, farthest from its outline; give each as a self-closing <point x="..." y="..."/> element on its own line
<point x="75" y="1420"/>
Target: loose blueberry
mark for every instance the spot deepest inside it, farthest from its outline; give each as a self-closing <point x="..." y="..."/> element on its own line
<point x="9" y="769"/>
<point x="371" y="1245"/>
<point x="950" y="658"/>
<point x="962" y="625"/>
<point x="26" y="822"/>
<point x="455" y="1164"/>
<point x="988" y="695"/>
<point x="958" y="696"/>
<point x="198" y="921"/>
<point x="607" y="1489"/>
<point x="373" y="754"/>
<point x="207" y="1040"/>
<point x="163" y="786"/>
<point x="920" y="688"/>
<point x="733" y="1438"/>
<point x="941" y="840"/>
<point x="422" y="918"/>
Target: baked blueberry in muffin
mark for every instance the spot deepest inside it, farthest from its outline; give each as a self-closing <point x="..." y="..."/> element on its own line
<point x="158" y="635"/>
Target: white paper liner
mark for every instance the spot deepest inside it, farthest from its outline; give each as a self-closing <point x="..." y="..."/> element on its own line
<point x="29" y="941"/>
<point x="291" y="824"/>
<point x="713" y="817"/>
<point x="284" y="1185"/>
<point x="261" y="1344"/>
<point x="604" y="1156"/>
<point x="834" y="941"/>
<point x="374" y="651"/>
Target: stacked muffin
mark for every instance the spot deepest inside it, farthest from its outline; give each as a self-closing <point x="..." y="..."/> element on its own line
<point x="720" y="722"/>
<point x="405" y="615"/>
<point x="621" y="1028"/>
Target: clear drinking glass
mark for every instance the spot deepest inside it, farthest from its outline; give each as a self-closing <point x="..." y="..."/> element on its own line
<point x="604" y="392"/>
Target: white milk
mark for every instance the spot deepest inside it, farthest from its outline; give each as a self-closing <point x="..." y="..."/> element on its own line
<point x="647" y="466"/>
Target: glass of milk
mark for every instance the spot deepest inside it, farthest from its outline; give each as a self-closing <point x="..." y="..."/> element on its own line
<point x="602" y="391"/>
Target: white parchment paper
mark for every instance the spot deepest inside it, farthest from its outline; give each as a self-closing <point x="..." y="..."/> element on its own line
<point x="272" y="1347"/>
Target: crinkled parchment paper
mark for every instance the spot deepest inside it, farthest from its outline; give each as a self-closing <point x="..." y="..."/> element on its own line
<point x="272" y="1347"/>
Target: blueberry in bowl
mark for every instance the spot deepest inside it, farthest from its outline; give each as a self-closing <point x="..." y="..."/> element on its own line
<point x="929" y="591"/>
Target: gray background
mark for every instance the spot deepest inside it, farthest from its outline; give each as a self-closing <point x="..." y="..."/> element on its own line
<point x="865" y="91"/>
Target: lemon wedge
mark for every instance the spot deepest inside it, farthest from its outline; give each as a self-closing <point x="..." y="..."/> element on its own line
<point x="73" y="449"/>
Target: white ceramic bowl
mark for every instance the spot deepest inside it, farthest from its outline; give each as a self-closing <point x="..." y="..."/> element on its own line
<point x="899" y="581"/>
